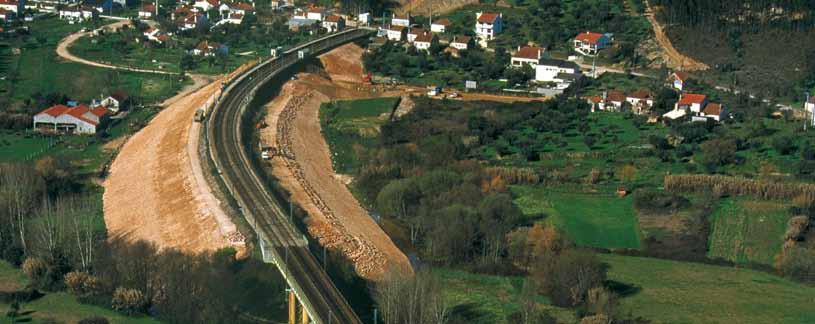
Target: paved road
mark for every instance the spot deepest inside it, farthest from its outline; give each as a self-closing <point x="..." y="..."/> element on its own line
<point x="241" y="173"/>
<point x="65" y="43"/>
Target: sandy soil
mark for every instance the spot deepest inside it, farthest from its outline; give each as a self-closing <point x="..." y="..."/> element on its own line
<point x="673" y="57"/>
<point x="156" y="190"/>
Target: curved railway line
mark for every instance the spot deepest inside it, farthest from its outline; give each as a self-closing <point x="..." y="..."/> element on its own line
<point x="233" y="159"/>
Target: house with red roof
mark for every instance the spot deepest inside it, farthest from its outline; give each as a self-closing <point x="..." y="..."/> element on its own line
<point x="147" y="11"/>
<point x="698" y="107"/>
<point x="72" y="120"/>
<point x="440" y="25"/>
<point x="413" y="33"/>
<point x="488" y="24"/>
<point x="11" y="5"/>
<point x="691" y="101"/>
<point x="6" y="15"/>
<point x="424" y="41"/>
<point x="400" y="20"/>
<point x="678" y="79"/>
<point x="334" y="23"/>
<point x="590" y="43"/>
<point x="529" y="55"/>
<point x="396" y="33"/>
<point x="462" y="42"/>
<point x="810" y="105"/>
<point x="712" y="111"/>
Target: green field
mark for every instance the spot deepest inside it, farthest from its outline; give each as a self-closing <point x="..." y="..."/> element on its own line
<point x="350" y="126"/>
<point x="489" y="299"/>
<point x="596" y="220"/>
<point x="746" y="230"/>
<point x="678" y="292"/>
<point x="61" y="307"/>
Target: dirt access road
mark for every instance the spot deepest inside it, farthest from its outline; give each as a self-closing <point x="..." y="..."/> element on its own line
<point x="156" y="189"/>
<point x="336" y="218"/>
<point x="673" y="57"/>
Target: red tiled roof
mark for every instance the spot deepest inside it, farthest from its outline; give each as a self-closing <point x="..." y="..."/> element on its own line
<point x="589" y="37"/>
<point x="641" y="94"/>
<point x="402" y="17"/>
<point x="397" y="28"/>
<point x="78" y="112"/>
<point x="55" y="110"/>
<point x="148" y="7"/>
<point x="462" y="39"/>
<point x="443" y="22"/>
<point x="713" y="109"/>
<point x="488" y="17"/>
<point x="529" y="52"/>
<point x="616" y="96"/>
<point x="692" y="98"/>
<point x="163" y="38"/>
<point x="425" y="38"/>
<point x="121" y="94"/>
<point x="812" y="100"/>
<point x="333" y="18"/>
<point x="596" y="99"/>
<point x="214" y="2"/>
<point x="100" y="111"/>
<point x="316" y="10"/>
<point x="416" y="31"/>
<point x="242" y="6"/>
<point x="682" y="76"/>
<point x="8" y="2"/>
<point x="150" y="30"/>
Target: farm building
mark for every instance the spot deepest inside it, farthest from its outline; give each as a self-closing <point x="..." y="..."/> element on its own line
<point x="72" y="120"/>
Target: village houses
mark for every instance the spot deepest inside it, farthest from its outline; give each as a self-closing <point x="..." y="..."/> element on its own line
<point x="529" y="55"/>
<point x="78" y="14"/>
<point x="678" y="80"/>
<point x="7" y="15"/>
<point x="461" y="42"/>
<point x="440" y="25"/>
<point x="12" y="5"/>
<point x="552" y="70"/>
<point x="698" y="107"/>
<point x="413" y="33"/>
<point x="147" y="11"/>
<point x="396" y="33"/>
<point x="590" y="43"/>
<point x="334" y="23"/>
<point x="400" y="20"/>
<point x="424" y="41"/>
<point x="487" y="25"/>
<point x="116" y="101"/>
<point x="810" y="105"/>
<point x="79" y="119"/>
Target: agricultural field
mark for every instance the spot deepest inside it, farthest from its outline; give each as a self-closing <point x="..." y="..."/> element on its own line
<point x="59" y="306"/>
<point x="350" y="125"/>
<point x="483" y="299"/>
<point x="22" y="146"/>
<point x="681" y="292"/>
<point x="746" y="230"/>
<point x="588" y="219"/>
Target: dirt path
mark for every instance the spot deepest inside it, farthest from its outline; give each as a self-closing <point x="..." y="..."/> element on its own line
<point x="336" y="218"/>
<point x="65" y="44"/>
<point x="156" y="190"/>
<point x="673" y="57"/>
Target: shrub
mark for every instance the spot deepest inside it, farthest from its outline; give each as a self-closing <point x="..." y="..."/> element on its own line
<point x="796" y="228"/>
<point x="784" y="145"/>
<point x="35" y="269"/>
<point x="659" y="201"/>
<point x="128" y="301"/>
<point x="94" y="320"/>
<point x="82" y="284"/>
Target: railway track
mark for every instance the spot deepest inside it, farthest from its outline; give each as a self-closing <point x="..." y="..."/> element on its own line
<point x="228" y="150"/>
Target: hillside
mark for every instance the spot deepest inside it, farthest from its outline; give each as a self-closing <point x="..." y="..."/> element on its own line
<point x="423" y="7"/>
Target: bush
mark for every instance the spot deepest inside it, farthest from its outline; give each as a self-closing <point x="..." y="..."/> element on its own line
<point x="129" y="301"/>
<point x="568" y="278"/>
<point x="94" y="320"/>
<point x="35" y="269"/>
<point x="784" y="145"/>
<point x="81" y="284"/>
<point x="659" y="201"/>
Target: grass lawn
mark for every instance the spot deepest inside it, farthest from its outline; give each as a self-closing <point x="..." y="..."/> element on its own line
<point x="595" y="220"/>
<point x="21" y="146"/>
<point x="61" y="307"/>
<point x="746" y="230"/>
<point x="679" y="292"/>
<point x="352" y="125"/>
<point x="489" y="299"/>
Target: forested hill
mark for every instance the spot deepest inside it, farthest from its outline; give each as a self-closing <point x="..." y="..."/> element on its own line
<point x="766" y="47"/>
<point x="794" y="14"/>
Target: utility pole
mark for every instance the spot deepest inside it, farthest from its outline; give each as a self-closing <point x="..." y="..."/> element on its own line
<point x="806" y="112"/>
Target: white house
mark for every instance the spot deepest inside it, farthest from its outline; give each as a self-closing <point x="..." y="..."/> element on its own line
<point x="589" y="43"/>
<point x="192" y="21"/>
<point x="530" y="55"/>
<point x="316" y="13"/>
<point x="78" y="14"/>
<point x="547" y="70"/>
<point x="400" y="20"/>
<point x="488" y="24"/>
<point x="810" y="105"/>
<point x="692" y="102"/>
<point x="397" y="33"/>
<point x="424" y="41"/>
<point x="712" y="111"/>
<point x="75" y="120"/>
<point x="6" y="15"/>
<point x="151" y="33"/>
<point x="206" y="5"/>
<point x="232" y="18"/>
<point x="641" y="97"/>
<point x="440" y="26"/>
<point x="241" y="8"/>
<point x="333" y="23"/>
<point x="207" y="48"/>
<point x="678" y="80"/>
<point x="413" y="33"/>
<point x="116" y="101"/>
<point x="364" y="18"/>
<point x="461" y="42"/>
<point x="147" y="11"/>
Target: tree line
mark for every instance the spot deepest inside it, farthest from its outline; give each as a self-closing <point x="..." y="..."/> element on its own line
<point x="51" y="226"/>
<point x="795" y="14"/>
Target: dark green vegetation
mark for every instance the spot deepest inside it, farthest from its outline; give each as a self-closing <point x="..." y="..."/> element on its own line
<point x="769" y="50"/>
<point x="562" y="167"/>
<point x="350" y="125"/>
<point x="53" y="229"/>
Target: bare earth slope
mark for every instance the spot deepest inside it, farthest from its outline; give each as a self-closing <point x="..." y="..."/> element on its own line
<point x="336" y="218"/>
<point x="156" y="189"/>
<point x="673" y="57"/>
